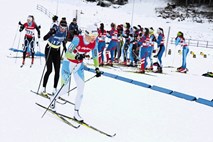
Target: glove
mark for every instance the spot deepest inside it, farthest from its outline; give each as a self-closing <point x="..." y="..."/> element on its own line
<point x="21" y="28"/>
<point x="98" y="72"/>
<point x="19" y="23"/>
<point x="79" y="56"/>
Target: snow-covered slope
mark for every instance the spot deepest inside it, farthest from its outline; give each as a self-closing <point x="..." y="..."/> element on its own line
<point x="135" y="113"/>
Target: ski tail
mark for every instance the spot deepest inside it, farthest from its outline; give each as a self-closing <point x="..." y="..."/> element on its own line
<point x="58" y="116"/>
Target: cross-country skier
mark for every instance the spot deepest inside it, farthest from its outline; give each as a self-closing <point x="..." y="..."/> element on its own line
<point x="126" y="43"/>
<point x="73" y="64"/>
<point x="151" y="46"/>
<point x="55" y="21"/>
<point x="143" y="50"/>
<point x="130" y="56"/>
<point x="181" y="40"/>
<point x="113" y="35"/>
<point x="73" y="29"/>
<point x="55" y="37"/>
<point x="160" y="44"/>
<point x="101" y="43"/>
<point x="29" y="37"/>
<point x="120" y="43"/>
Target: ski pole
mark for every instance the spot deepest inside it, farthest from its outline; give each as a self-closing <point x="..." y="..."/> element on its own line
<point x="44" y="68"/>
<point x="59" y="91"/>
<point x="39" y="49"/>
<point x="69" y="86"/>
<point x="52" y="101"/>
<point x="62" y="54"/>
<point x="14" y="38"/>
<point x="18" y="46"/>
<point x="174" y="57"/>
<point x="84" y="82"/>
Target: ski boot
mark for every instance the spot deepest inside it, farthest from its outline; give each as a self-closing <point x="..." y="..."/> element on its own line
<point x="22" y="63"/>
<point x="183" y="70"/>
<point x="44" y="93"/>
<point x="179" y="68"/>
<point x="159" y="70"/>
<point x="77" y="117"/>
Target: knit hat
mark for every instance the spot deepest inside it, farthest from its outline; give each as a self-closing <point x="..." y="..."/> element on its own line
<point x="30" y="18"/>
<point x="63" y="23"/>
<point x="160" y="30"/>
<point x="146" y="31"/>
<point x="151" y="30"/>
<point x="179" y="33"/>
<point x="102" y="25"/>
<point x="63" y="18"/>
<point x="55" y="18"/>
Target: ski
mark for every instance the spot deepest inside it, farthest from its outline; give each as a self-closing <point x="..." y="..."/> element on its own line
<point x="87" y="125"/>
<point x="208" y="74"/>
<point x="60" y="117"/>
<point x="64" y="117"/>
<point x="111" y="67"/>
<point x="28" y="57"/>
<point x="169" y="67"/>
<point x="47" y="96"/>
<point x="187" y="73"/>
<point x="41" y="94"/>
<point x="180" y="72"/>
<point x="15" y="56"/>
<point x="138" y="72"/>
<point x="31" y="65"/>
<point x="155" y="72"/>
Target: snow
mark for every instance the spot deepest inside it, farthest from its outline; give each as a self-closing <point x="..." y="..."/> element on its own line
<point x="132" y="112"/>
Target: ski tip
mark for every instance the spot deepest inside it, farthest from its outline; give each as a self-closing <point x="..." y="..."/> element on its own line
<point x="112" y="135"/>
<point x="78" y="126"/>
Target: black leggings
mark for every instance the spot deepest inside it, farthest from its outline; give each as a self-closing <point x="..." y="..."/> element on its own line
<point x="28" y="43"/>
<point x="52" y="56"/>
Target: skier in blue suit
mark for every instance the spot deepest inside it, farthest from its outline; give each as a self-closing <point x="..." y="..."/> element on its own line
<point x="54" y="37"/>
<point x="180" y="40"/>
<point x="160" y="43"/>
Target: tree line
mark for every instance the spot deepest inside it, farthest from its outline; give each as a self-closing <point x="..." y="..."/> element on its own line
<point x="189" y="2"/>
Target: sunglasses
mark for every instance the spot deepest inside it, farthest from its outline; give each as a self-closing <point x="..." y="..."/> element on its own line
<point x="63" y="28"/>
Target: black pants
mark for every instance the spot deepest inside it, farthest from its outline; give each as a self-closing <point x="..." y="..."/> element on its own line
<point x="28" y="43"/>
<point x="53" y="58"/>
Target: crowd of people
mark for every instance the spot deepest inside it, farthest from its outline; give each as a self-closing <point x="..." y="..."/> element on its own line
<point x="128" y="46"/>
<point x="134" y="46"/>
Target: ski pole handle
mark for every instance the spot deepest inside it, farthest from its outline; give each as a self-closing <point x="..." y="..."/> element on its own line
<point x="19" y="23"/>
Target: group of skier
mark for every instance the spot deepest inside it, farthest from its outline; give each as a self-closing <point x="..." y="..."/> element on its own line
<point x="129" y="46"/>
<point x="78" y="46"/>
<point x="133" y="46"/>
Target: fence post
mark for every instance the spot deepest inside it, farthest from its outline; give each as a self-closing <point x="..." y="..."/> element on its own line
<point x="207" y="44"/>
<point x="189" y="42"/>
<point x="197" y="43"/>
<point x="167" y="40"/>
